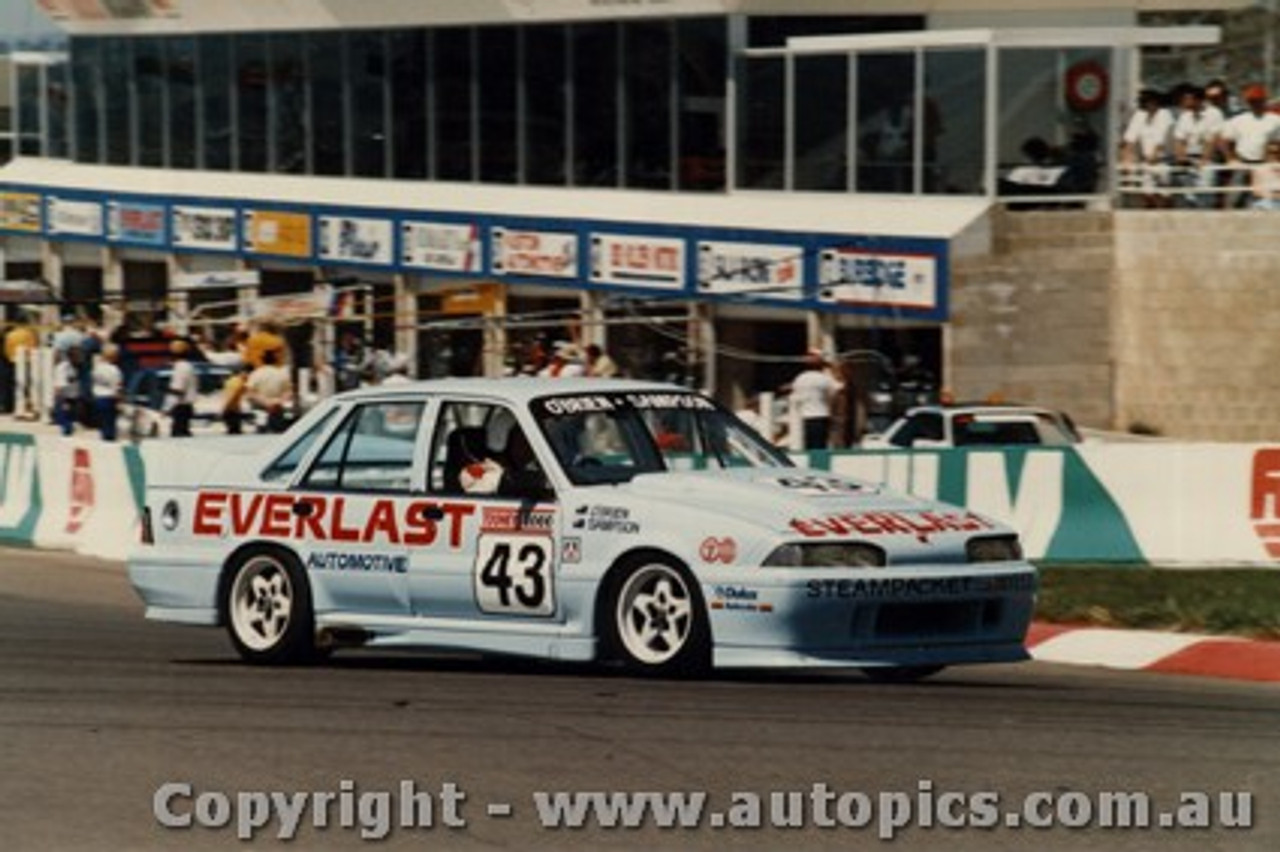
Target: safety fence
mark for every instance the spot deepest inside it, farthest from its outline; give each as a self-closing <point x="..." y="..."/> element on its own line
<point x="1161" y="503"/>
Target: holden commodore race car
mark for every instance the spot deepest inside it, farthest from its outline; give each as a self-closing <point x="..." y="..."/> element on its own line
<point x="568" y="519"/>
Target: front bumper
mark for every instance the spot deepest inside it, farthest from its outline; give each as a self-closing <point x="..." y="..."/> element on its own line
<point x="904" y="616"/>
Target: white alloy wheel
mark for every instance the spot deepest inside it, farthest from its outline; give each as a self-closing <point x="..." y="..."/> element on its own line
<point x="262" y="602"/>
<point x="656" y="618"/>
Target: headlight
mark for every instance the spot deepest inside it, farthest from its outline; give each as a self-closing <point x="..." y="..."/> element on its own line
<point x="826" y="556"/>
<point x="994" y="548"/>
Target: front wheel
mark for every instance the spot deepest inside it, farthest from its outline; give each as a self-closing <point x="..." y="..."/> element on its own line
<point x="656" y="622"/>
<point x="268" y="607"/>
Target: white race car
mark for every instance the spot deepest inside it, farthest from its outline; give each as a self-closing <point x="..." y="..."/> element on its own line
<point x="569" y="519"/>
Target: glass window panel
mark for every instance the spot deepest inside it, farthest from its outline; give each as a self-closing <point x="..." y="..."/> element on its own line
<point x="56" y="94"/>
<point x="29" y="110"/>
<point x="289" y="102"/>
<point x="955" y="116"/>
<point x="116" y="101"/>
<point x="86" y="78"/>
<point x="821" y="105"/>
<point x="544" y="93"/>
<point x="497" y="73"/>
<point x="886" y="122"/>
<point x="215" y="100"/>
<point x="702" y="46"/>
<point x="647" y="66"/>
<point x="761" y="125"/>
<point x="328" y="99"/>
<point x="595" y="114"/>
<point x="181" y="79"/>
<point x="252" y="73"/>
<point x="148" y="73"/>
<point x="409" y="103"/>
<point x="368" y="103"/>
<point x="1037" y="124"/>
<point x="452" y="65"/>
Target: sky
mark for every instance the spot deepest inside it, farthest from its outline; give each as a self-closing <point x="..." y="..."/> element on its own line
<point x="22" y="19"/>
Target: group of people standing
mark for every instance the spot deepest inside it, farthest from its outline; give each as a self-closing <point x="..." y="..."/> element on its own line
<point x="1199" y="140"/>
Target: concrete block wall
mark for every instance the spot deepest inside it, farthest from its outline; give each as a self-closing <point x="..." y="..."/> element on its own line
<point x="1197" y="323"/>
<point x="1163" y="320"/>
<point x="1031" y="320"/>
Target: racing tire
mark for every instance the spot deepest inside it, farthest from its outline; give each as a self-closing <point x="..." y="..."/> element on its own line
<point x="267" y="602"/>
<point x="900" y="674"/>
<point x="654" y="620"/>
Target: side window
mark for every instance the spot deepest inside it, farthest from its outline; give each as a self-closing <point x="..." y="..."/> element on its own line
<point x="481" y="449"/>
<point x="284" y="466"/>
<point x="929" y="427"/>
<point x="906" y="434"/>
<point x="460" y="439"/>
<point x="373" y="450"/>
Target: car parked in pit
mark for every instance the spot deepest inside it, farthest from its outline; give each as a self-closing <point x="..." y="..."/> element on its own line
<point x="571" y="519"/>
<point x="941" y="426"/>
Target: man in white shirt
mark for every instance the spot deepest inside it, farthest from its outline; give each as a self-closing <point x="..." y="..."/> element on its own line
<point x="1195" y="136"/>
<point x="1146" y="143"/>
<point x="66" y="389"/>
<point x="271" y="389"/>
<point x="811" y="394"/>
<point x="184" y="388"/>
<point x="108" y="385"/>
<point x="1246" y="135"/>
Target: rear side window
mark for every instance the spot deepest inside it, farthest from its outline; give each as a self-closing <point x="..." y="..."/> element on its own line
<point x="285" y="465"/>
<point x="373" y="450"/>
<point x="978" y="432"/>
<point x="926" y="426"/>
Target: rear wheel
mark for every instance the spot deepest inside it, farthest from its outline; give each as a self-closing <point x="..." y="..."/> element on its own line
<point x="901" y="674"/>
<point x="268" y="607"/>
<point x="655" y="621"/>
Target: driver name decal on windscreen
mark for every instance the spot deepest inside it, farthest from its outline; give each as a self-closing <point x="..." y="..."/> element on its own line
<point x="382" y="521"/>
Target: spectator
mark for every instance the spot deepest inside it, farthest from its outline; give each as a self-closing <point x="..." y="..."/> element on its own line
<point x="108" y="387"/>
<point x="233" y="396"/>
<point x="1195" y="137"/>
<point x="599" y="364"/>
<point x="812" y="393"/>
<point x="67" y="336"/>
<point x="266" y="338"/>
<point x="1246" y="135"/>
<point x="184" y="388"/>
<point x="398" y="371"/>
<point x="564" y="362"/>
<point x="270" y="389"/>
<point x="20" y="337"/>
<point x="1146" y="145"/>
<point x="66" y="389"/>
<point x="1266" y="179"/>
<point x="1217" y="95"/>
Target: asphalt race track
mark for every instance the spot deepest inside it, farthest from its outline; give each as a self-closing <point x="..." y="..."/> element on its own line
<point x="99" y="709"/>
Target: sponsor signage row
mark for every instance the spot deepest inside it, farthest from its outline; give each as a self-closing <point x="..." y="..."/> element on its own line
<point x="805" y="270"/>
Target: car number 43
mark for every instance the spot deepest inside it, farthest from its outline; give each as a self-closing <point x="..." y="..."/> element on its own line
<point x="513" y="575"/>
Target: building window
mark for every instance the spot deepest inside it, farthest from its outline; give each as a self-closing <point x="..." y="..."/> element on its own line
<point x="762" y="124"/>
<point x="820" y="122"/>
<point x="215" y="85"/>
<point x="30" y="121"/>
<point x="409" y="98"/>
<point x="886" y="122"/>
<point x="649" y="89"/>
<point x="452" y="67"/>
<point x="181" y="79"/>
<point x="595" y="104"/>
<point x="954" y="131"/>
<point x="149" y="66"/>
<point x="328" y="103"/>
<point x="498" y="55"/>
<point x="116" y="56"/>
<point x="702" y="47"/>
<point x="289" y="103"/>
<point x="368" y="103"/>
<point x="252" y="73"/>
<point x="56" y="94"/>
<point x="545" y="93"/>
<point x="86" y="78"/>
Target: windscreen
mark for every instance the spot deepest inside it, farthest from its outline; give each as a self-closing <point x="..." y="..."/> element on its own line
<point x="612" y="437"/>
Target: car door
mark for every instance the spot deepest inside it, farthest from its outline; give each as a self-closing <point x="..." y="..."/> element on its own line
<point x="500" y="565"/>
<point x="357" y="515"/>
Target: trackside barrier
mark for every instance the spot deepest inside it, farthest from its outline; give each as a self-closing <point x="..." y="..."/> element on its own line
<point x="1163" y="503"/>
